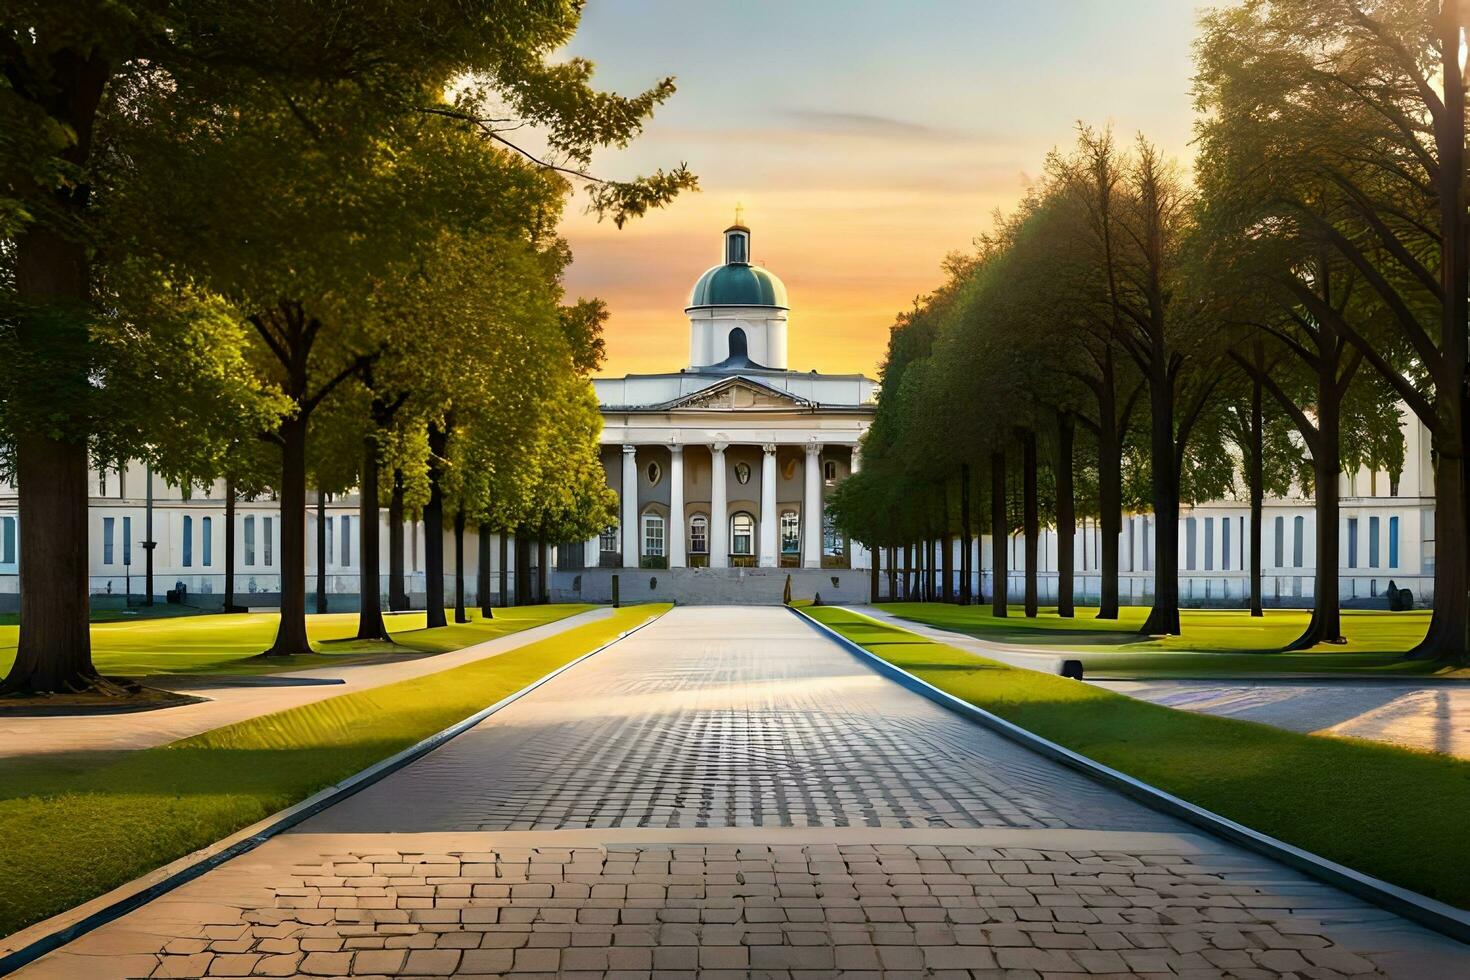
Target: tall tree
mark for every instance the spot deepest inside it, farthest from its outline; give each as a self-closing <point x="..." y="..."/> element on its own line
<point x="1346" y="121"/>
<point x="64" y="66"/>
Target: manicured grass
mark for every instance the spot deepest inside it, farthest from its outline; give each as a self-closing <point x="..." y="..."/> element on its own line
<point x="1390" y="812"/>
<point x="220" y="643"/>
<point x="75" y="828"/>
<point x="1239" y="644"/>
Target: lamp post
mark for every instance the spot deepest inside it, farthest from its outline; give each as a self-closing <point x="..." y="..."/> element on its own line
<point x="148" y="543"/>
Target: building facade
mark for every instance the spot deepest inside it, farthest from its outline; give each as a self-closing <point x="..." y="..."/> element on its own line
<point x="723" y="468"/>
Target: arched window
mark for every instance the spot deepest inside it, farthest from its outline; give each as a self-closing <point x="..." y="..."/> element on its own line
<point x="699" y="535"/>
<point x="790" y="532"/>
<point x="742" y="534"/>
<point x="829" y="471"/>
<point x="1298" y="533"/>
<point x="739" y="344"/>
<point x="207" y="530"/>
<point x="607" y="541"/>
<point x="653" y="535"/>
<point x="188" y="541"/>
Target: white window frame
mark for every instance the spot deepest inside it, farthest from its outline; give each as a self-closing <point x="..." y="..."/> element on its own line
<point x="653" y="532"/>
<point x="735" y="538"/>
<point x="699" y="534"/>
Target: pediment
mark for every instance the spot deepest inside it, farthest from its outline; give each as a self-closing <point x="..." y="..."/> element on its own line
<point x="739" y="394"/>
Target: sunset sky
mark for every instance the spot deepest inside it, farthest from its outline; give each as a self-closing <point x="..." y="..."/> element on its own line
<point x="865" y="139"/>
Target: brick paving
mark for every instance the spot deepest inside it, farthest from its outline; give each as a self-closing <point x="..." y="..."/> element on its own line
<point x="727" y="794"/>
<point x="691" y="724"/>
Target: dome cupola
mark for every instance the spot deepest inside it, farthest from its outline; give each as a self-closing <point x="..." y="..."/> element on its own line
<point x="738" y="300"/>
<point x="736" y="282"/>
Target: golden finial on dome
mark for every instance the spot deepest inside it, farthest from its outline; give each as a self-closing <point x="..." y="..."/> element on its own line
<point x="739" y="213"/>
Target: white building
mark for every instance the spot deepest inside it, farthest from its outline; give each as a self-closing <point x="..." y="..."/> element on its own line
<point x="723" y="468"/>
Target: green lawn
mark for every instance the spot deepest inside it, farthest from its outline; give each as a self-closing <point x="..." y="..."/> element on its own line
<point x="1239" y="644"/>
<point x="78" y="826"/>
<point x="220" y="643"/>
<point x="1390" y="812"/>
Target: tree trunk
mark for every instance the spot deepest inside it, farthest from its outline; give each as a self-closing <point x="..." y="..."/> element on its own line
<point x="908" y="573"/>
<point x="1110" y="496"/>
<point x="1163" y="618"/>
<point x="922" y="578"/>
<point x="966" y="537"/>
<point x="946" y="564"/>
<point x="504" y="570"/>
<point x="370" y="625"/>
<point x="291" y="634"/>
<point x="1448" y="637"/>
<point x="892" y="574"/>
<point x="874" y="575"/>
<point x="487" y="608"/>
<point x="523" y="571"/>
<point x="1326" y="622"/>
<point x="52" y="281"/>
<point x="230" y="606"/>
<point x="1067" y="517"/>
<point x="460" y="616"/>
<point x="397" y="594"/>
<point x="434" y="531"/>
<point x="54" y="653"/>
<point x="999" y="531"/>
<point x="1255" y="475"/>
<point x="543" y="568"/>
<point x="1031" y="518"/>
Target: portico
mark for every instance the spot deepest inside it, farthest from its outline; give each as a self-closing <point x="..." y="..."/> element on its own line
<point x="725" y="500"/>
<point x="724" y="468"/>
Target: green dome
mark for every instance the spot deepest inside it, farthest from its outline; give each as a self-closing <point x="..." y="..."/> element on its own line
<point x="738" y="284"/>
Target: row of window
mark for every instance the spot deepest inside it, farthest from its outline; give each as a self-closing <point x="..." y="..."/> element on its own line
<point x="1298" y="536"/>
<point x="186" y="556"/>
<point x="742" y="535"/>
<point x="7" y="541"/>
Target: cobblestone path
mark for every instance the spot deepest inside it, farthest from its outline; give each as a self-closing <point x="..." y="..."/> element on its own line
<point x="729" y="794"/>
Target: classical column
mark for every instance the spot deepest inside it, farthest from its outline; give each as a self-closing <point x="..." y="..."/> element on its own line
<point x="592" y="552"/>
<point x="630" y="506"/>
<point x="719" y="516"/>
<point x="769" y="548"/>
<point x="811" y="508"/>
<point x="677" y="558"/>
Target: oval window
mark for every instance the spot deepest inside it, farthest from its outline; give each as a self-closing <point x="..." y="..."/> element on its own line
<point x="742" y="473"/>
<point x="655" y="472"/>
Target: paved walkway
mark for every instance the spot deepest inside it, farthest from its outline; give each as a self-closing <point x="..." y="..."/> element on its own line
<point x="1433" y="716"/>
<point x="727" y="793"/>
<point x="229" y="702"/>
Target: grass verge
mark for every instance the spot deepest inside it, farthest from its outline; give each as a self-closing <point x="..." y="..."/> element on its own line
<point x="1393" y="813"/>
<point x="1238" y="644"/>
<point x="230" y="643"/>
<point x="74" y="832"/>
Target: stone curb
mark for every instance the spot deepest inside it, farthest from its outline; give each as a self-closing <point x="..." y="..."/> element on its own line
<point x="1426" y="911"/>
<point x="63" y="928"/>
